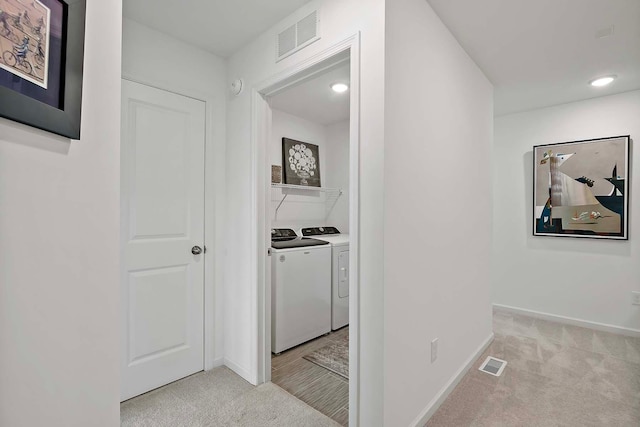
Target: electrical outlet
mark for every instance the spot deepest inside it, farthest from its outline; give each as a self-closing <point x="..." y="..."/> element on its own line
<point x="434" y="350"/>
<point x="635" y="295"/>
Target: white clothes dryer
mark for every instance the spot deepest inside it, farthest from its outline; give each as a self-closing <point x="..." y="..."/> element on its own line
<point x="339" y="271"/>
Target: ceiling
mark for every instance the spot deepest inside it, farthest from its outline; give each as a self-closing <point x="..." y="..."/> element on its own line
<point x="218" y="26"/>
<point x="314" y="100"/>
<point x="544" y="52"/>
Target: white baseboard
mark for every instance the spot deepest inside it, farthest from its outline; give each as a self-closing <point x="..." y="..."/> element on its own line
<point x="435" y="403"/>
<point x="238" y="370"/>
<point x="620" y="330"/>
<point x="217" y="362"/>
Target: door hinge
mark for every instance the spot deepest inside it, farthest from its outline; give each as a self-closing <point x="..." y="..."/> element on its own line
<point x="269" y="252"/>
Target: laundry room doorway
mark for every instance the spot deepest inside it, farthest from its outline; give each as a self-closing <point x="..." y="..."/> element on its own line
<point x="306" y="148"/>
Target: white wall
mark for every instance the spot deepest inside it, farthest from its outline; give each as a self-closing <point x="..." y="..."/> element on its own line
<point x="311" y="209"/>
<point x="338" y="176"/>
<point x="198" y="74"/>
<point x="59" y="253"/>
<point x="583" y="279"/>
<point x="438" y="134"/>
<point x="305" y="209"/>
<point x="256" y="62"/>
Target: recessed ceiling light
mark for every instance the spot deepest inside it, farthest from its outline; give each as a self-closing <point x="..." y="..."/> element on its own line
<point x="339" y="87"/>
<point x="602" y="81"/>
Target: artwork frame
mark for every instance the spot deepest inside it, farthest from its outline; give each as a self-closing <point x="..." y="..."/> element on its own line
<point x="62" y="117"/>
<point x="587" y="188"/>
<point x="301" y="163"/>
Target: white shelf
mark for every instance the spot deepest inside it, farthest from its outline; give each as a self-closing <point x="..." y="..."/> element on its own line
<point x="331" y="198"/>
<point x="306" y="188"/>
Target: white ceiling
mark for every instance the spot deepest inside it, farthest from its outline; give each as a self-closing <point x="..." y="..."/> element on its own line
<point x="544" y="52"/>
<point x="218" y="26"/>
<point x="314" y="100"/>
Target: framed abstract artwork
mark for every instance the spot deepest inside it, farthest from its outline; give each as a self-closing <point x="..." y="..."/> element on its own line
<point x="301" y="163"/>
<point x="41" y="58"/>
<point x="581" y="188"/>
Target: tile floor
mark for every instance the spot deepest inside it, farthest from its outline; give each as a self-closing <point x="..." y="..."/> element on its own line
<point x="318" y="387"/>
<point x="557" y="375"/>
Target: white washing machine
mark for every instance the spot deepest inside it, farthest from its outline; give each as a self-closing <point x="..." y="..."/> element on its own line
<point x="339" y="271"/>
<point x="300" y="289"/>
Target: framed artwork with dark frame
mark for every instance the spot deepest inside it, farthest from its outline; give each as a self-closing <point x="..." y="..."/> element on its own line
<point x="581" y="188"/>
<point x="41" y="62"/>
<point x="301" y="163"/>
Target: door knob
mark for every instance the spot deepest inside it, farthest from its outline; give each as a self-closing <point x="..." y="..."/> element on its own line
<point x="196" y="250"/>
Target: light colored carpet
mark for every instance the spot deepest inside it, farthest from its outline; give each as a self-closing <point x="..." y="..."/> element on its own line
<point x="557" y="375"/>
<point x="333" y="356"/>
<point x="219" y="398"/>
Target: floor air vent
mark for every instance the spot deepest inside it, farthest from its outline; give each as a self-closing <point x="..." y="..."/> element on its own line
<point x="493" y="366"/>
<point x="298" y="36"/>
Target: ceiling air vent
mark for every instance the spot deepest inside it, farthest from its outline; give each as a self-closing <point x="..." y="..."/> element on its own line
<point x="298" y="36"/>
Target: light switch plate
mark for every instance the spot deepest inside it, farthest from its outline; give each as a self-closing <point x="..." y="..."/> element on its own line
<point x="434" y="350"/>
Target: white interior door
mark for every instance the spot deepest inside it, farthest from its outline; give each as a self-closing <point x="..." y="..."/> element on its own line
<point x="163" y="139"/>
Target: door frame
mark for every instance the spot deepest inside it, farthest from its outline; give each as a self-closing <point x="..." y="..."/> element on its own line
<point x="212" y="278"/>
<point x="347" y="49"/>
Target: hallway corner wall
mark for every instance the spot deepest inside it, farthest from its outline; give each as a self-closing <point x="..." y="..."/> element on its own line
<point x="437" y="228"/>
